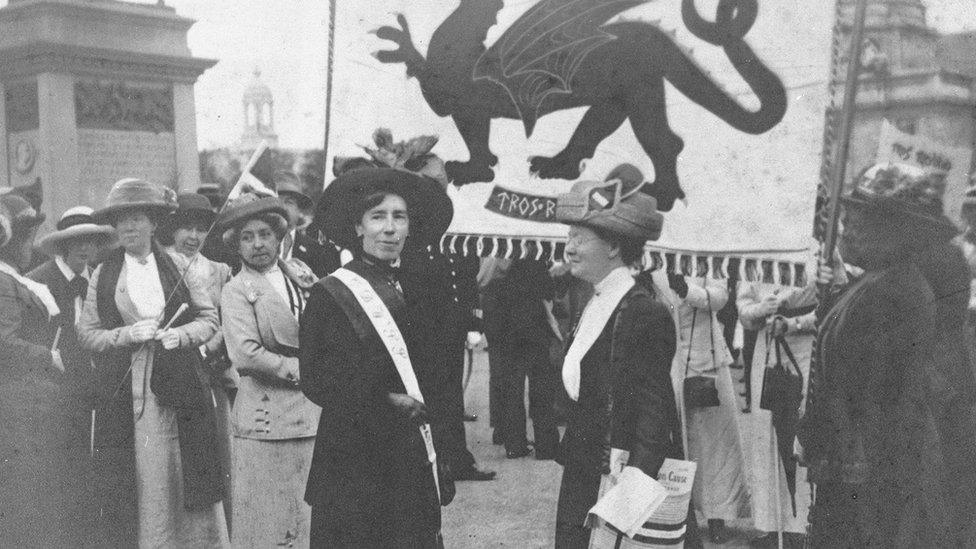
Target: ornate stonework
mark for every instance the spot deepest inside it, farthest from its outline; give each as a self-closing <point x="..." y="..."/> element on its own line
<point x="114" y="105"/>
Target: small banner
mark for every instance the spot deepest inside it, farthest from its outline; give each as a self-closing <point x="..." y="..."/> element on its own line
<point x="520" y="205"/>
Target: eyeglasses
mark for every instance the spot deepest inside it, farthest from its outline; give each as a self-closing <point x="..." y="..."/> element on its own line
<point x="579" y="240"/>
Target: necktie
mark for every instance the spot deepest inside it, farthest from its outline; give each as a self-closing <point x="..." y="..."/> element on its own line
<point x="78" y="287"/>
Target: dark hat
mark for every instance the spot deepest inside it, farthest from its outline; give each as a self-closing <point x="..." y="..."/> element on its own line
<point x="616" y="205"/>
<point x="214" y="194"/>
<point x="136" y="194"/>
<point x="248" y="206"/>
<point x="908" y="192"/>
<point x="192" y="206"/>
<point x="33" y="193"/>
<point x="286" y="182"/>
<point x="77" y="222"/>
<point x="22" y="213"/>
<point x="429" y="207"/>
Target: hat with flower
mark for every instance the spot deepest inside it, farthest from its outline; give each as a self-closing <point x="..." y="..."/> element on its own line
<point x="908" y="192"/>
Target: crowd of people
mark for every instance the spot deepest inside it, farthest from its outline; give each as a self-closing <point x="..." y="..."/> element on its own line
<point x="270" y="372"/>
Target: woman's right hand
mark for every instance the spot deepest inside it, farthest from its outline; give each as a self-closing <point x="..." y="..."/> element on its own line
<point x="408" y="407"/>
<point x="143" y="331"/>
<point x="769" y="305"/>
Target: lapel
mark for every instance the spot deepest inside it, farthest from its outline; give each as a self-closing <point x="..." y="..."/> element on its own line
<point x="269" y="307"/>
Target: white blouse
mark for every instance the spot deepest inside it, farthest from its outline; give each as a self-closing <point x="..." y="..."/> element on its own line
<point x="144" y="286"/>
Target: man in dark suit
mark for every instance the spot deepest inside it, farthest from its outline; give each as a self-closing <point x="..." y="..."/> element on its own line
<point x="322" y="259"/>
<point x="447" y="291"/>
<point x="518" y="331"/>
<point x="72" y="248"/>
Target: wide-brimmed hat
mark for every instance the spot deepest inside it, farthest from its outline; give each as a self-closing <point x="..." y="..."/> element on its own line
<point x="78" y="223"/>
<point x="286" y="182"/>
<point x="616" y="205"/>
<point x="908" y="192"/>
<point x="248" y="206"/>
<point x="136" y="194"/>
<point x="429" y="207"/>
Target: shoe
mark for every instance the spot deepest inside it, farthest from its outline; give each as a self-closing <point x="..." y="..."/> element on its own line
<point x="470" y="417"/>
<point x="518" y="452"/>
<point x="717" y="532"/>
<point x="473" y="473"/>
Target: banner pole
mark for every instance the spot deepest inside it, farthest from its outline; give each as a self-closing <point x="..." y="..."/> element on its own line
<point x="839" y="167"/>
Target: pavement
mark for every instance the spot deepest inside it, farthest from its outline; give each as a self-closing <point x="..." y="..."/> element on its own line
<point x="518" y="508"/>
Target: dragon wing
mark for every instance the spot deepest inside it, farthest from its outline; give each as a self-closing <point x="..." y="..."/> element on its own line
<point x="542" y="50"/>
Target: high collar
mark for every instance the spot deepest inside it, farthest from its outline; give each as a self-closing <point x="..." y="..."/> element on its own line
<point x="617" y="278"/>
<point x="387" y="267"/>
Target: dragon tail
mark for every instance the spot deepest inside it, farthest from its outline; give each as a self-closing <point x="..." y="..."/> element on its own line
<point x="733" y="21"/>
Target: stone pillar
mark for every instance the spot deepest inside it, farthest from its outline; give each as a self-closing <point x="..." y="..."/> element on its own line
<point x="184" y="118"/>
<point x="57" y="145"/>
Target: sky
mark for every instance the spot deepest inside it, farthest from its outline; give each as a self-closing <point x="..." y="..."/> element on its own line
<point x="287" y="40"/>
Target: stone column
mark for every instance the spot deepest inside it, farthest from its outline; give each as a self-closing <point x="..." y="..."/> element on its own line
<point x="185" y="122"/>
<point x="58" y="144"/>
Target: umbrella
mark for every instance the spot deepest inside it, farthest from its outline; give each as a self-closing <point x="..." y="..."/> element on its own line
<point x="782" y="393"/>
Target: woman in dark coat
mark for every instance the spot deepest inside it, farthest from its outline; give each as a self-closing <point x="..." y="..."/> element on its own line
<point x="617" y="369"/>
<point x="870" y="433"/>
<point x="32" y="427"/>
<point x="372" y="483"/>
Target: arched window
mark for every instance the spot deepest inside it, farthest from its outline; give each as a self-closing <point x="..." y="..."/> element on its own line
<point x="266" y="115"/>
<point x="252" y="115"/>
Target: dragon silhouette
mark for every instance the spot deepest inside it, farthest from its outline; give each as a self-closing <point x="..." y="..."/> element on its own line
<point x="563" y="54"/>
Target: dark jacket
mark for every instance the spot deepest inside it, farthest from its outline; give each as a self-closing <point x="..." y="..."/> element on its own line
<point x="512" y="303"/>
<point x="626" y="400"/>
<point x="77" y="361"/>
<point x="369" y="471"/>
<point x="869" y="420"/>
<point x="322" y="259"/>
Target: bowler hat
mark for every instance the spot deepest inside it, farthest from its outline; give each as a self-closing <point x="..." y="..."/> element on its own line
<point x="616" y="206"/>
<point x="286" y="182"/>
<point x="136" y="194"/>
<point x="77" y="222"/>
<point x="429" y="208"/>
<point x="192" y="207"/>
<point x="907" y="192"/>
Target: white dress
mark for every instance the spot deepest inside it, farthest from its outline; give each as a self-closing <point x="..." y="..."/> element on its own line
<point x="772" y="511"/>
<point x="714" y="434"/>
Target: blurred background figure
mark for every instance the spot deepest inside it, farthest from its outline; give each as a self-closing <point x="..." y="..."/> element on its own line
<point x="322" y="259"/>
<point x="34" y="466"/>
<point x="518" y="330"/>
<point x="73" y="247"/>
<point x="711" y="425"/>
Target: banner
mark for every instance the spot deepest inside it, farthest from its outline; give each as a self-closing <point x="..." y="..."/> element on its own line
<point x="628" y="82"/>
<point x="924" y="152"/>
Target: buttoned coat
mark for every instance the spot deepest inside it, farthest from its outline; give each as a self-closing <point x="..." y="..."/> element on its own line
<point x="261" y="334"/>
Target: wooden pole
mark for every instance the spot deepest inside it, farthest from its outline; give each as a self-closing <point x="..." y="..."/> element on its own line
<point x="330" y="67"/>
<point x="839" y="166"/>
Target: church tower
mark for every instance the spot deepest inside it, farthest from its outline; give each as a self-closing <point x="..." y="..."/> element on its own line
<point x="258" y="105"/>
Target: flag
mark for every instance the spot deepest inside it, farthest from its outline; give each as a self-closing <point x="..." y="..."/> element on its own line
<point x="257" y="174"/>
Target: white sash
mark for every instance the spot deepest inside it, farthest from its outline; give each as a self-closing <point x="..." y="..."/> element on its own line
<point x="379" y="315"/>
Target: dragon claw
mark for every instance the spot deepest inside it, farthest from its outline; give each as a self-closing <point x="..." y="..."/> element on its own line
<point x="554" y="167"/>
<point x="462" y="173"/>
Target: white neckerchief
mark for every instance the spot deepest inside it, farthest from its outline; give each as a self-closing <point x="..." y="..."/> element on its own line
<point x="144" y="286"/>
<point x="40" y="290"/>
<point x="286" y="288"/>
<point x="606" y="296"/>
<point x="69" y="275"/>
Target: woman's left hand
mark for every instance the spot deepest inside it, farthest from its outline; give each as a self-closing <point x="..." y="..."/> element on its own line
<point x="170" y="338"/>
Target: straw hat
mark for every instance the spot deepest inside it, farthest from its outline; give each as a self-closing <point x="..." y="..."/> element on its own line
<point x="248" y="206"/>
<point x="78" y="223"/>
<point x="429" y="207"/>
<point x="616" y="205"/>
<point x="136" y="194"/>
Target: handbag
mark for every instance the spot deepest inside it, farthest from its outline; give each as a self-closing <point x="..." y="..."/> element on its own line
<point x="782" y="389"/>
<point x="700" y="391"/>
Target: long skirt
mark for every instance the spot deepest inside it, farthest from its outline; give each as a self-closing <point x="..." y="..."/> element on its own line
<point x="772" y="509"/>
<point x="269" y="488"/>
<point x="715" y="443"/>
<point x="163" y="519"/>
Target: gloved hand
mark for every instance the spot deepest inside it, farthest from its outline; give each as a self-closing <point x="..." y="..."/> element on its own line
<point x="143" y="331"/>
<point x="678" y="284"/>
<point x="169" y="338"/>
<point x="408" y="407"/>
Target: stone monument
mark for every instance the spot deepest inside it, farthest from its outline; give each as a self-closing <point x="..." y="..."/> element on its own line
<point x="94" y="91"/>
